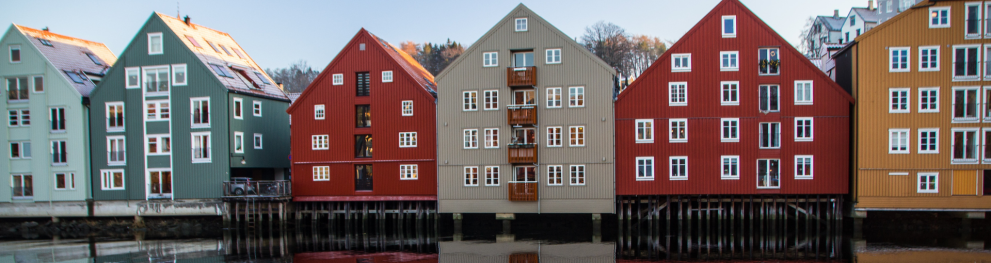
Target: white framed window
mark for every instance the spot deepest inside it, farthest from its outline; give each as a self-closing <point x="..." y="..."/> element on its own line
<point x="157" y="110"/>
<point x="258" y="141"/>
<point x="929" y="99"/>
<point x="471" y="139"/>
<point x="238" y="142"/>
<point x="156" y="81"/>
<point x="65" y="181"/>
<point x="986" y="149"/>
<point x="966" y="64"/>
<point x="679" y="168"/>
<point x="256" y="108"/>
<point x="490" y="59"/>
<point x="116" y="150"/>
<point x="769" y="59"/>
<point x="492" y="138"/>
<point x="928" y="183"/>
<point x="470" y="101"/>
<point x="678" y="94"/>
<point x="17" y="90"/>
<point x="768" y="175"/>
<point x="408" y="172"/>
<point x="112" y="179"/>
<point x="929" y="58"/>
<point x="199" y="109"/>
<point x="337" y="79"/>
<point x="555" y="175"/>
<point x="521" y="24"/>
<point x="729" y="61"/>
<point x="972" y="20"/>
<point x="576" y="97"/>
<point x="898" y="141"/>
<point x="645" y="168"/>
<point x="577" y="175"/>
<point x="939" y="17"/>
<point x="321" y="173"/>
<point x="730" y="131"/>
<point x="899" y="59"/>
<point x="770" y="135"/>
<point x="158" y="144"/>
<point x="490" y="99"/>
<point x="987" y="15"/>
<point x="38" y="82"/>
<point x="729" y="26"/>
<point x="491" y="175"/>
<point x="15" y="53"/>
<point x="966" y="104"/>
<point x="471" y="175"/>
<point x="554" y="97"/>
<point x="320" y="142"/>
<point x="238" y="109"/>
<point x="179" y="77"/>
<point x="645" y="131"/>
<point x="155" y="43"/>
<point x="769" y="98"/>
<point x="407" y="139"/>
<point x="679" y="130"/>
<point x="20" y="150"/>
<point x="553" y="56"/>
<point x="803" y="129"/>
<point x="681" y="62"/>
<point x="23" y="186"/>
<point x="929" y="141"/>
<point x="554" y="136"/>
<point x="56" y="117"/>
<point x="318" y="112"/>
<point x="407" y="108"/>
<point x="19" y="118"/>
<point x="965" y="145"/>
<point x="898" y="100"/>
<point x="803" y="167"/>
<point x="386" y="76"/>
<point x="132" y="78"/>
<point x="577" y="136"/>
<point x="731" y="167"/>
<point x="201" y="147"/>
<point x="803" y="92"/>
<point x="730" y="93"/>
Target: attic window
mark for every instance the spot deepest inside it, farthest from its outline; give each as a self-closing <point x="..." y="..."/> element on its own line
<point x="45" y="42"/>
<point x="212" y="46"/>
<point x="361" y="46"/>
<point x="76" y="77"/>
<point x="94" y="59"/>
<point x="521" y="24"/>
<point x="238" y="52"/>
<point x="262" y="77"/>
<point x="225" y="50"/>
<point x="221" y="71"/>
<point x="193" y="40"/>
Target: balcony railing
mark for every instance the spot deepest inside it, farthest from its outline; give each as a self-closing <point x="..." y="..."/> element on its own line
<point x="522" y="153"/>
<point x="245" y="189"/>
<point x="522" y="191"/>
<point x="521" y="76"/>
<point x="521" y="114"/>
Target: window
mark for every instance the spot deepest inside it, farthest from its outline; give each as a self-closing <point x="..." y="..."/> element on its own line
<point x="200" y="111"/>
<point x="337" y="79"/>
<point x="928" y="99"/>
<point x="361" y="46"/>
<point x="39" y="84"/>
<point x="155" y="43"/>
<point x="470" y="101"/>
<point x="193" y="41"/>
<point x="928" y="141"/>
<point x="987" y="148"/>
<point x="318" y="112"/>
<point x="899" y="59"/>
<point x="491" y="99"/>
<point x="59" y="153"/>
<point x="769" y="61"/>
<point x="238" y="114"/>
<point x="471" y="138"/>
<point x="408" y="172"/>
<point x="678" y="94"/>
<point x="19" y="118"/>
<point x="256" y="108"/>
<point x="729" y="26"/>
<point x="321" y="173"/>
<point x="48" y="43"/>
<point x="76" y="76"/>
<point x="225" y="49"/>
<point x="57" y="118"/>
<point x="261" y="77"/>
<point x="15" y="53"/>
<point x="363" y="146"/>
<point x="728" y="61"/>
<point x="471" y="175"/>
<point x="899" y="100"/>
<point x="362" y="116"/>
<point x="803" y="92"/>
<point x="553" y="97"/>
<point x="112" y="179"/>
<point x="767" y="173"/>
<point x="987" y="105"/>
<point x="492" y="138"/>
<point x="407" y="139"/>
<point x="803" y="166"/>
<point x="679" y="130"/>
<point x="965" y="145"/>
<point x="645" y="131"/>
<point x="521" y="24"/>
<point x="553" y="56"/>
<point x="363" y="84"/>
<point x="65" y="181"/>
<point x="730" y="131"/>
<point x="645" y="168"/>
<point x="555" y="175"/>
<point x="731" y="167"/>
<point x="115" y="116"/>
<point x="769" y="98"/>
<point x="490" y="59"/>
<point x="730" y="93"/>
<point x="972" y="24"/>
<point x="179" y="75"/>
<point x="803" y="129"/>
<point x="897" y="141"/>
<point x="577" y="136"/>
<point x="157" y="110"/>
<point x="928" y="183"/>
<point x="965" y="104"/>
<point x="987" y="55"/>
<point x="386" y="76"/>
<point x="770" y="135"/>
<point x="577" y="175"/>
<point x="132" y="78"/>
<point x="23" y="185"/>
<point x="201" y="147"/>
<point x="853" y="20"/>
<point x="576" y="97"/>
<point x="221" y="71"/>
<point x="116" y="150"/>
<point x="17" y="89"/>
<point x="681" y="62"/>
<point x="215" y="49"/>
<point x="929" y="58"/>
<point x="319" y="142"/>
<point x="162" y="144"/>
<point x="679" y="168"/>
<point x="554" y="137"/>
<point x="157" y="81"/>
<point x="20" y="150"/>
<point x="258" y="141"/>
<point x="965" y="66"/>
<point x="492" y="175"/>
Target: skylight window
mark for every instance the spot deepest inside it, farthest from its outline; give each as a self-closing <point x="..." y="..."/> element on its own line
<point x="76" y="77"/>
<point x="225" y="50"/>
<point x="221" y="71"/>
<point x="262" y="77"/>
<point x="45" y="42"/>
<point x="94" y="59"/>
<point x="193" y="40"/>
<point x="212" y="46"/>
<point x="238" y="52"/>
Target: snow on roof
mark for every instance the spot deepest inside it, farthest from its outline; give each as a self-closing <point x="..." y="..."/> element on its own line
<point x="72" y="54"/>
<point x="420" y="74"/>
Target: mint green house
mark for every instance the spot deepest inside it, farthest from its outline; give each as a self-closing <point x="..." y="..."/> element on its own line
<point x="48" y="79"/>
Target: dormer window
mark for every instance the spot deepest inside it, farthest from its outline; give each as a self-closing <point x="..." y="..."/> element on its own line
<point x="729" y="26"/>
<point x="521" y="25"/>
<point x="155" y="44"/>
<point x="94" y="59"/>
<point x="45" y="42"/>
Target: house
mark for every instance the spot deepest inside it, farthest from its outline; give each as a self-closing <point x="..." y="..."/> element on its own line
<point x="824" y="30"/>
<point x="177" y="85"/>
<point x="858" y="21"/>
<point x="49" y="78"/>
<point x="921" y="121"/>
<point x="524" y="124"/>
<point x="886" y="9"/>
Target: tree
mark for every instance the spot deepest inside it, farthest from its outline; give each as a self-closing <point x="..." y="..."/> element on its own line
<point x="433" y="57"/>
<point x="295" y="78"/>
<point x="809" y="36"/>
<point x="645" y="51"/>
<point x="630" y="55"/>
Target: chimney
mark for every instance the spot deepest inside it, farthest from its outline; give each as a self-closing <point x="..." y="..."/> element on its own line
<point x="870" y="5"/>
<point x="45" y="29"/>
<point x="836" y="13"/>
<point x="186" y="19"/>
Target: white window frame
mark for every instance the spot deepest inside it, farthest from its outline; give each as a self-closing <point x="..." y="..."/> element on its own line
<point x="19" y="122"/>
<point x="579" y="133"/>
<point x="809" y="137"/>
<point x="776" y="135"/>
<point x="319" y="112"/>
<point x="23" y="146"/>
<point x="647" y="164"/>
<point x="407" y="140"/>
<point x="953" y="69"/>
<point x="734" y="88"/>
<point x="918" y="183"/>
<point x="931" y="92"/>
<point x="554" y="98"/>
<point x="520" y="21"/>
<point x="34" y="84"/>
<point x="938" y="25"/>
<point x="490" y="99"/>
<point x="684" y="68"/>
<point x="158" y="110"/>
<point x="673" y="91"/>
<point x="892" y="57"/>
<point x="733" y="61"/>
<point x="646" y="128"/>
<point x="407" y="108"/>
<point x="977" y="145"/>
<point x="576" y="175"/>
<point x="671" y="168"/>
<point x="180" y="68"/>
<point x="683" y="124"/>
<point x="386" y="76"/>
<point x="734" y="169"/>
<point x="337" y="79"/>
<point x="409" y="172"/>
<point x="723" y="26"/>
<point x="891" y="99"/>
<point x="735" y="125"/>
<point x="320" y="142"/>
<point x="151" y="44"/>
<point x="10" y="50"/>
<point x="768" y="166"/>
<point x="470" y="139"/>
<point x="156" y="70"/>
<point x="555" y="175"/>
<point x="490" y="59"/>
<point x="256" y="108"/>
<point x="208" y="149"/>
<point x="492" y="176"/>
<point x="896" y="134"/>
<point x="257" y="143"/>
<point x="777" y="97"/>
<point x="926" y="63"/>
<point x="555" y="136"/>
<point x="193" y="102"/>
<point x="132" y="71"/>
<point x="159" y="144"/>
<point x="925" y="131"/>
<point x="238" y="139"/>
<point x="492" y="138"/>
<point x="810" y="171"/>
<point x="980" y="20"/>
<point x="471" y="105"/>
<point x="801" y="85"/>
<point x="321" y="173"/>
<point x="70" y="181"/>
<point x="552" y="56"/>
<point x="471" y="175"/>
<point x="978" y="109"/>
<point x="106" y="179"/>
<point x="238" y="103"/>
<point x="576" y="97"/>
<point x="110" y="143"/>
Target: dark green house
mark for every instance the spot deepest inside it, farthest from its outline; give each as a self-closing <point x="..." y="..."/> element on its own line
<point x="183" y="110"/>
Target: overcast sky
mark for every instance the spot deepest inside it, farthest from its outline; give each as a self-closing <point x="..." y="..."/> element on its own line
<point x="277" y="33"/>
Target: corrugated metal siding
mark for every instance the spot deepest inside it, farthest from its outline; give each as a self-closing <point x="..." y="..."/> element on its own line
<point x="386" y="109"/>
<point x="577" y="68"/>
<point x="647" y="99"/>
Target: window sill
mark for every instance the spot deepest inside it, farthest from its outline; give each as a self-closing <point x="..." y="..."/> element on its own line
<point x="65" y="189"/>
<point x="484" y="110"/>
<point x="318" y="149"/>
<point x="729" y="104"/>
<point x="730" y="178"/>
<point x="576" y="185"/>
<point x="60" y="164"/>
<point x="156" y="94"/>
<point x="555" y="146"/>
<point x="803" y="103"/>
<point x="576" y="145"/>
<point x="22" y="198"/>
<point x="803" y="177"/>
<point x="769" y="75"/>
<point x="58" y="131"/>
<point x="492" y="185"/>
<point x="553" y="107"/>
<point x="561" y="184"/>
<point x="581" y="106"/>
<point x="112" y="189"/>
<point x="968" y="120"/>
<point x="677" y="104"/>
<point x="407" y="179"/>
<point x="197" y="127"/>
<point x="729" y="36"/>
<point x="119" y="130"/>
<point x="972" y="36"/>
<point x="890" y="152"/>
<point x="650" y="141"/>
<point x="161" y="154"/>
<point x="964" y="161"/>
<point x="678" y="178"/>
<point x="803" y="139"/>
<point x="966" y="78"/>
<point x="927" y="192"/>
<point x="414" y="146"/>
<point x="488" y="148"/>
<point x="921" y="152"/>
<point x="729" y="69"/>
<point x="116" y="164"/>
<point x="321" y="180"/>
<point x="645" y="179"/>
<point x="154" y="120"/>
<point x="928" y="111"/>
<point x="17" y="101"/>
<point x="770" y="148"/>
<point x="677" y="141"/>
<point x="681" y="70"/>
<point x="469" y="110"/>
<point x="891" y="70"/>
<point x="769" y="188"/>
<point x="729" y="140"/>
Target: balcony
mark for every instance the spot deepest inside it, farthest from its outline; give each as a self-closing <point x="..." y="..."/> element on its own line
<point x="246" y="189"/>
<point x="522" y="153"/>
<point x="521" y="77"/>
<point x="521" y="114"/>
<point x="523" y="191"/>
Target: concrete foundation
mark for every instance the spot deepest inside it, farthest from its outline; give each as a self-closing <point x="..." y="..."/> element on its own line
<point x="44" y="209"/>
<point x="182" y="207"/>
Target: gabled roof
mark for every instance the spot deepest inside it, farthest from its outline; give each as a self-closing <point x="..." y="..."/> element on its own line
<point x="833" y="23"/>
<point x="293" y="96"/>
<point x="71" y="54"/>
<point x="887" y="23"/>
<point x="234" y="56"/>
<point x="866" y="14"/>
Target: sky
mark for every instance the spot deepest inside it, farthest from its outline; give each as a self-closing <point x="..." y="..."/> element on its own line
<point x="278" y="33"/>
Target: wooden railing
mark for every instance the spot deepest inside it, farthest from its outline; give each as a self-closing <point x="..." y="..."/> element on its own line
<point x="522" y="153"/>
<point x="521" y="76"/>
<point x="522" y="191"/>
<point x="521" y="114"/>
<point x="279" y="188"/>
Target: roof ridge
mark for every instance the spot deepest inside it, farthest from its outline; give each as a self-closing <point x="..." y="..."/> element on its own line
<point x="47" y="33"/>
<point x="191" y="23"/>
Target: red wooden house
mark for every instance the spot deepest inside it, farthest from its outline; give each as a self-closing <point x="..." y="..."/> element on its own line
<point x="371" y="92"/>
<point x="732" y="109"/>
